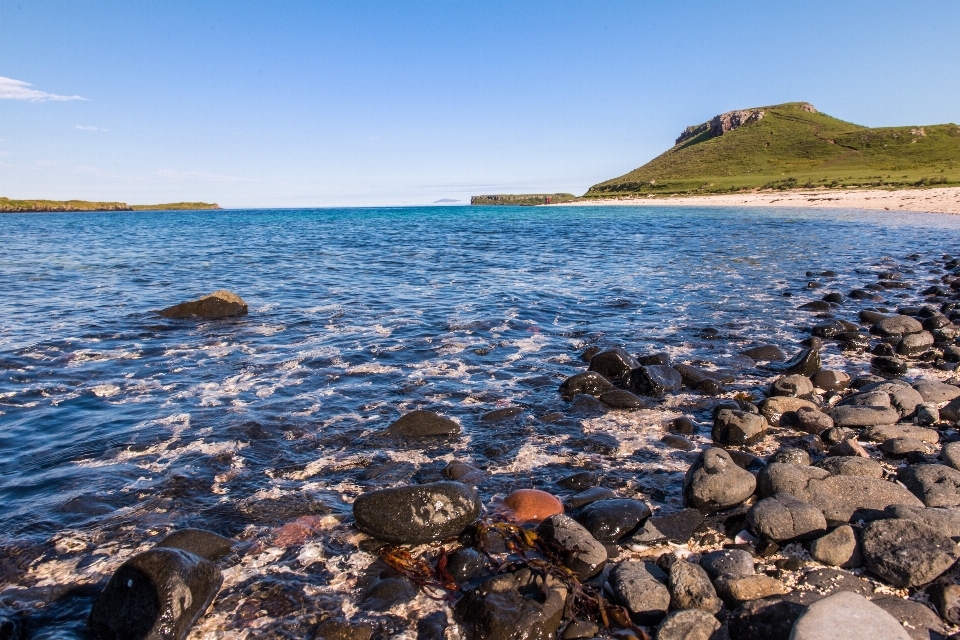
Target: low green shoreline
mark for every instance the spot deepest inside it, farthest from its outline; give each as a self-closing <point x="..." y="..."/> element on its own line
<point x="20" y="206"/>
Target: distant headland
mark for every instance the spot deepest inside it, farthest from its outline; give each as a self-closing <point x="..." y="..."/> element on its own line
<point x="16" y="206"/>
<point x="527" y="199"/>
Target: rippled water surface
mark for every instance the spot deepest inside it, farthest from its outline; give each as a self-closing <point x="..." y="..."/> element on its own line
<point x="118" y="424"/>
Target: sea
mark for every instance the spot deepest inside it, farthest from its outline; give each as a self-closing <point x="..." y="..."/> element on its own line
<point x="118" y="425"/>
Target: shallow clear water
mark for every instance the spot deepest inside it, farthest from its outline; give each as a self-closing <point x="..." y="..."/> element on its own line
<point x="117" y="424"/>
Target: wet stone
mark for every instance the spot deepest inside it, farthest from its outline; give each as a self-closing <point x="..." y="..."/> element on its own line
<point x="915" y="344"/>
<point x="417" y="513"/>
<point x="790" y="455"/>
<point x="688" y="624"/>
<point x="622" y="399"/>
<point x="641" y="588"/>
<point x="714" y="482"/>
<point x="792" y="386"/>
<point x="889" y="365"/>
<point x="465" y="564"/>
<point x="831" y="380"/>
<point x="675" y="441"/>
<point x="677" y="527"/>
<point x="906" y="553"/>
<point x="683" y="425"/>
<point x="205" y="544"/>
<point x="767" y="353"/>
<point x="587" y="496"/>
<point x="588" y="382"/>
<point x="805" y="363"/>
<point x="338" y="629"/>
<point x="582" y="553"/>
<point x="217" y="305"/>
<point x="583" y="404"/>
<point x="610" y="520"/>
<point x="613" y="364"/>
<point x="532" y="505"/>
<point x="897" y="325"/>
<point x="159" y="593"/>
<point x="383" y="595"/>
<point x="654" y="380"/>
<point x="579" y="481"/>
<point x="502" y="415"/>
<point x="513" y="606"/>
<point x="421" y="423"/>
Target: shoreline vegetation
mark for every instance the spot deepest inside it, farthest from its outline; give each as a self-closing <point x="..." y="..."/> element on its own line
<point x="22" y="206"/>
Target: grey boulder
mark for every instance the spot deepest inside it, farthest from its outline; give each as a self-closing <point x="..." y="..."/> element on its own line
<point x="714" y="482"/>
<point x="907" y="553"/>
<point x="524" y="605"/>
<point x="936" y="391"/>
<point x="936" y="484"/>
<point x="838" y="616"/>
<point x="839" y="548"/>
<point x="738" y="428"/>
<point x="580" y="552"/>
<point x="782" y="517"/>
<point x="690" y="588"/>
<point x="641" y="588"/>
<point x="688" y="624"/>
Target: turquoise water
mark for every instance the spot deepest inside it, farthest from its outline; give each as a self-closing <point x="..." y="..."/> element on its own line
<point x="117" y="423"/>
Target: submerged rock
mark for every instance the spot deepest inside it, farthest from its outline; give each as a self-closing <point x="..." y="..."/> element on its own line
<point x="219" y="304"/>
<point x="158" y="594"/>
<point x="421" y="423"/>
<point x="205" y="544"/>
<point x="417" y="513"/>
<point x="588" y="382"/>
<point x="654" y="380"/>
<point x="524" y="605"/>
<point x="613" y="364"/>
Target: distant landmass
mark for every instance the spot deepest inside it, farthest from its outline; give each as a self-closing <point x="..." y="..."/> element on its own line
<point x="528" y="199"/>
<point x="793" y="146"/>
<point x="12" y="206"/>
<point x="445" y="201"/>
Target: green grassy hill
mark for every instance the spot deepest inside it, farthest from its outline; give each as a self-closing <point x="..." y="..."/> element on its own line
<point x="12" y="206"/>
<point x="791" y="145"/>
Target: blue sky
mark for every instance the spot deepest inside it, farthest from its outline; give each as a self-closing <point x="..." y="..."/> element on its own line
<point x="288" y="104"/>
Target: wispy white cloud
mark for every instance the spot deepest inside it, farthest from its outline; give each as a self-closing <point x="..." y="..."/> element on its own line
<point x="199" y="175"/>
<point x="83" y="128"/>
<point x="11" y="89"/>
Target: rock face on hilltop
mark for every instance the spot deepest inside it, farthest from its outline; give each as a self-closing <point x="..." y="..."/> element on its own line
<point x="723" y="123"/>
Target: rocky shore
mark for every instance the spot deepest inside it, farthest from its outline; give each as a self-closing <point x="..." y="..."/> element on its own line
<point x="801" y="490"/>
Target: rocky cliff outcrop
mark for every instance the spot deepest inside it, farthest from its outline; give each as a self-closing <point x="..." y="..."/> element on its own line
<point x="731" y="120"/>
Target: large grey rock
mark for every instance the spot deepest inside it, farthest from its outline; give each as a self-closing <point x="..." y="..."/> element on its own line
<point x="951" y="411"/>
<point x="937" y="485"/>
<point x="214" y="306"/>
<point x="588" y="382"/>
<point x="581" y="552"/>
<point x="882" y="433"/>
<point x="205" y="544"/>
<point x="918" y="620"/>
<point x="738" y="428"/>
<point x="690" y="588"/>
<point x="851" y="466"/>
<point x="774" y="407"/>
<point x="157" y="595"/>
<point x="946" y="521"/>
<point x="809" y="420"/>
<point x="915" y="343"/>
<point x="792" y="386"/>
<point x="831" y="380"/>
<point x="688" y="624"/>
<point x="417" y="513"/>
<point x="422" y="423"/>
<point x="906" y="553"/>
<point x="766" y="619"/>
<point x="841" y="498"/>
<point x="613" y="364"/>
<point x="654" y="380"/>
<point x="641" y="587"/>
<point x="859" y="416"/>
<point x="897" y="326"/>
<point x="805" y="363"/>
<point x="714" y="482"/>
<point x="839" y="548"/>
<point x="766" y="353"/>
<point x="838" y="615"/>
<point x="902" y="396"/>
<point x="524" y="605"/>
<point x="782" y="517"/>
<point x="902" y="447"/>
<point x="936" y="391"/>
<point x="735" y="563"/>
<point x="610" y="520"/>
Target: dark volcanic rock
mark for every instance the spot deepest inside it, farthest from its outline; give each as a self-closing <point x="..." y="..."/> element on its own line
<point x="524" y="605"/>
<point x="782" y="517"/>
<point x="383" y="595"/>
<point x="588" y="382"/>
<point x="792" y="386"/>
<point x="587" y="496"/>
<point x="613" y="364"/>
<point x="579" y="481"/>
<point x="466" y="563"/>
<point x="623" y="399"/>
<point x="805" y="363"/>
<point x="847" y="466"/>
<point x="715" y="482"/>
<point x="946" y="521"/>
<point x="767" y="352"/>
<point x="889" y="365"/>
<point x="936" y="484"/>
<point x="582" y="553"/>
<point x="766" y="619"/>
<point x="917" y="619"/>
<point x="683" y="425"/>
<point x="219" y="304"/>
<point x="417" y="513"/>
<point x="735" y="563"/>
<point x="906" y="553"/>
<point x="158" y="594"/>
<point x="654" y="380"/>
<point x="205" y="544"/>
<point x="678" y="527"/>
<point x="738" y="428"/>
<point x="421" y="423"/>
<point x="610" y="520"/>
<point x="934" y="391"/>
<point x="897" y="326"/>
<point x="641" y="588"/>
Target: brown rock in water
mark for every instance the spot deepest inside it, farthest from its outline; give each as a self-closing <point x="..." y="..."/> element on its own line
<point x="219" y="304"/>
<point x="532" y="505"/>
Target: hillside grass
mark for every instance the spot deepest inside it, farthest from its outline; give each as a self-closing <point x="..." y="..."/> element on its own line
<point x="792" y="148"/>
<point x="11" y="206"/>
<point x="176" y="206"/>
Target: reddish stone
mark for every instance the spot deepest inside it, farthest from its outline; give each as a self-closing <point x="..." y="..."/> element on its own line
<point x="532" y="505"/>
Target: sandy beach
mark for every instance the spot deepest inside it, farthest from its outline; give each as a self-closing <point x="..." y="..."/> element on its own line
<point x="939" y="200"/>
